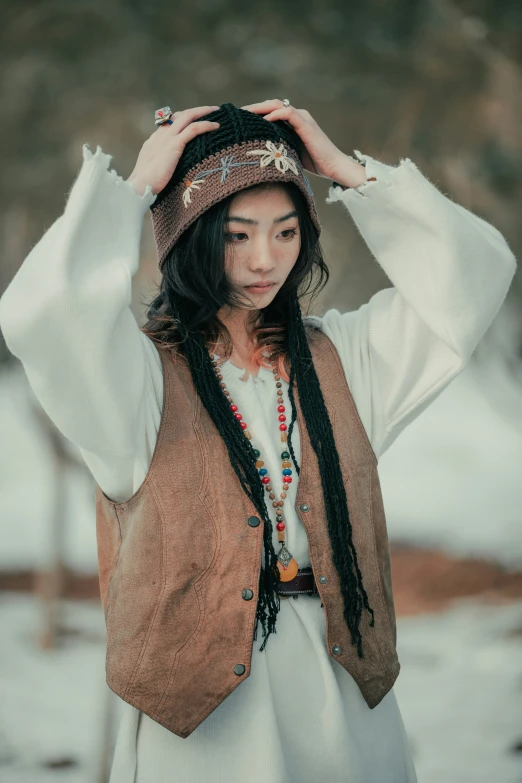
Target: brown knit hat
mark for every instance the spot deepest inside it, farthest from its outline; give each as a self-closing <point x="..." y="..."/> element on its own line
<point x="244" y="150"/>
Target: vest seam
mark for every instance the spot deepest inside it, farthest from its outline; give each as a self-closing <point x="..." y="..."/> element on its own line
<point x="113" y="569"/>
<point x="158" y="600"/>
<point x="202" y="610"/>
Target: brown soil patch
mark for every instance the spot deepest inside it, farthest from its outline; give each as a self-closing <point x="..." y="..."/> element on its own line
<point x="424" y="580"/>
<point x="429" y="580"/>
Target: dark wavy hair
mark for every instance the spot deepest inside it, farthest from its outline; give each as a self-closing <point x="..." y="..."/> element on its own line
<point x="184" y="316"/>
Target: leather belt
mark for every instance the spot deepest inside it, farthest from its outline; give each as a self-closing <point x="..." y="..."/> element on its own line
<point x="303" y="582"/>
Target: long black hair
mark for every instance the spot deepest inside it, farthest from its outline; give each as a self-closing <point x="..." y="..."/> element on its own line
<point x="184" y="316"/>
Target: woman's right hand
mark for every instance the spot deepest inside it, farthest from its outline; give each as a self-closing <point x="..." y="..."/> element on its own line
<point x="161" y="152"/>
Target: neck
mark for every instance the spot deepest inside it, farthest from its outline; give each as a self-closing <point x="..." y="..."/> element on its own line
<point x="239" y="324"/>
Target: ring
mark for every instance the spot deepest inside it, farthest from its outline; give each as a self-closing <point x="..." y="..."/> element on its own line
<point x="162" y="116"/>
<point x="286" y="103"/>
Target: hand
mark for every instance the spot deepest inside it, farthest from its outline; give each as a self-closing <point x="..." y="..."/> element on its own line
<point x="161" y="152"/>
<point x="320" y="155"/>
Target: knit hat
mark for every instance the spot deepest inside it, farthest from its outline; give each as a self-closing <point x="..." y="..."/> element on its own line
<point x="244" y="150"/>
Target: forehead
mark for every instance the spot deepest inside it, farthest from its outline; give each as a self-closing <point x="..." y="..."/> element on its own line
<point x="265" y="200"/>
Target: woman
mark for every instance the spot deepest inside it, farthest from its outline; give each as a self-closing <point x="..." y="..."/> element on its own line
<point x="176" y="422"/>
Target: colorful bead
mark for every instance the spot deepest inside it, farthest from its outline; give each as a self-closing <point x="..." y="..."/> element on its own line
<point x="285" y="456"/>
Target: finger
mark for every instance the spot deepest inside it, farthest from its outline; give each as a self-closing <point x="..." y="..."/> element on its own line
<point x="195" y="128"/>
<point x="183" y="118"/>
<point x="288" y="113"/>
<point x="271" y="103"/>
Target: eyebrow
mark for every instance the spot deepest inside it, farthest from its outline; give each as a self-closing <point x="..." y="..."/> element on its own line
<point x="252" y="222"/>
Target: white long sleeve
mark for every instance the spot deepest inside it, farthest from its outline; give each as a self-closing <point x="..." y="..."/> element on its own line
<point x="451" y="271"/>
<point x="67" y="317"/>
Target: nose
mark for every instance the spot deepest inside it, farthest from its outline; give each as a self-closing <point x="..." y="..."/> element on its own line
<point x="261" y="260"/>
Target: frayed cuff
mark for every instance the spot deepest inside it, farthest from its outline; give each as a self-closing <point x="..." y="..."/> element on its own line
<point x="379" y="176"/>
<point x="100" y="160"/>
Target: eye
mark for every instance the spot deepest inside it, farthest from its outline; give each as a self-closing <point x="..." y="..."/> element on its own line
<point x="292" y="230"/>
<point x="231" y="237"/>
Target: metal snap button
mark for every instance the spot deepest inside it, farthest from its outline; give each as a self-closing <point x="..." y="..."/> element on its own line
<point x="304" y="507"/>
<point x="323" y="579"/>
<point x="247" y="594"/>
<point x="253" y="521"/>
<point x="336" y="649"/>
<point x="239" y="668"/>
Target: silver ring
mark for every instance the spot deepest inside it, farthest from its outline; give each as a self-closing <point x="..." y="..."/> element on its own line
<point x="162" y="116"/>
<point x="286" y="103"/>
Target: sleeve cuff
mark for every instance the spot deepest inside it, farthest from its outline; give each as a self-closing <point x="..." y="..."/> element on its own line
<point x="378" y="174"/>
<point x="99" y="163"/>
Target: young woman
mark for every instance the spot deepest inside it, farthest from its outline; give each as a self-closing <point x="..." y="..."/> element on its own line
<point x="207" y="494"/>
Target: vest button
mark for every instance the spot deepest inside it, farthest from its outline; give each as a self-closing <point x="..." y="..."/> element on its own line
<point x="253" y="521"/>
<point x="323" y="580"/>
<point x="336" y="649"/>
<point x="304" y="507"/>
<point x="247" y="594"/>
<point x="239" y="668"/>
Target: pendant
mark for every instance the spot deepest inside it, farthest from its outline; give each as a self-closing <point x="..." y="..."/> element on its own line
<point x="287" y="565"/>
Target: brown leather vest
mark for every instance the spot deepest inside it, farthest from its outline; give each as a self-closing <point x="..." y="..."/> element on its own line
<point x="170" y="577"/>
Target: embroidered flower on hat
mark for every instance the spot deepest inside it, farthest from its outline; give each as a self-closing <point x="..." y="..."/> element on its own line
<point x="188" y="189"/>
<point x="278" y="155"/>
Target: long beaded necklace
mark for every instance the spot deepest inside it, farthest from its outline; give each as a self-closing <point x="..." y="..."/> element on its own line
<point x="286" y="562"/>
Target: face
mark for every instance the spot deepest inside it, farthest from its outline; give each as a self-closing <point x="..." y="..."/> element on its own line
<point x="262" y="243"/>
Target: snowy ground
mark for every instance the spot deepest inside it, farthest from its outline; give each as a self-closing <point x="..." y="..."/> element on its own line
<point x="459" y="691"/>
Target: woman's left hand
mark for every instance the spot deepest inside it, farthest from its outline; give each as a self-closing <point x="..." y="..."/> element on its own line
<point x="320" y="155"/>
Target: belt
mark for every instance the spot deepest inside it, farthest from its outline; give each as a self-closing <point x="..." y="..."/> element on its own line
<point x="303" y="582"/>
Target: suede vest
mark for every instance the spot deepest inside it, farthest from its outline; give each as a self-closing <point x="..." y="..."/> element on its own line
<point x="175" y="559"/>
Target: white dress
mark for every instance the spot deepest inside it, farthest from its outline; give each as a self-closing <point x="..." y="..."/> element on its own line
<point x="299" y="717"/>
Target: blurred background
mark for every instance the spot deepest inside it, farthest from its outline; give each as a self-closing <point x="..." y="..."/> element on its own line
<point x="439" y="82"/>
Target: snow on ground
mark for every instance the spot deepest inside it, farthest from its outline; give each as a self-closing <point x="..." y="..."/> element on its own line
<point x="459" y="691"/>
<point x="452" y="479"/>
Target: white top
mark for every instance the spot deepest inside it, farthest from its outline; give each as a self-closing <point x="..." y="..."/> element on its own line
<point x="66" y="315"/>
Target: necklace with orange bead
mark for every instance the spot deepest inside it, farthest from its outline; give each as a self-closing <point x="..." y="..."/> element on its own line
<point x="286" y="563"/>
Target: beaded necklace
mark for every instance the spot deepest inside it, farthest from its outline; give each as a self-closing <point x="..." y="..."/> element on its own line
<point x="286" y="563"/>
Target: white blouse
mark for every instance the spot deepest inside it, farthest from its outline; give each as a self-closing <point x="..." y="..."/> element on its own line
<point x="299" y="717"/>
